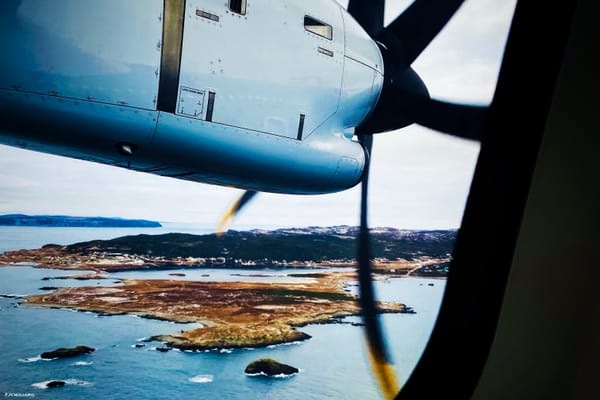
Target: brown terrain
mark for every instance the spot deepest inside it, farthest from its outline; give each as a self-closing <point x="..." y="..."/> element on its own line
<point x="233" y="314"/>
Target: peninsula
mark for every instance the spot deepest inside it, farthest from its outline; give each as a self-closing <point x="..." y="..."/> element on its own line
<point x="238" y="314"/>
<point x="232" y="314"/>
<point x="65" y="221"/>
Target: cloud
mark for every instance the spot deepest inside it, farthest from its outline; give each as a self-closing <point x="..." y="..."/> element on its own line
<point x="462" y="63"/>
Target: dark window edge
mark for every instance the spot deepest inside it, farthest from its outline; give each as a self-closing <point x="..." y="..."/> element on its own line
<point x="455" y="356"/>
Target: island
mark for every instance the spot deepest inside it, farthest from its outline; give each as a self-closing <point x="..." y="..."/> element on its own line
<point x="67" y="352"/>
<point x="65" y="221"/>
<point x="270" y="367"/>
<point x="241" y="313"/>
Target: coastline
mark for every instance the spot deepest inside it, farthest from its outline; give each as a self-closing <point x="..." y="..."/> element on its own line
<point x="133" y="340"/>
<point x="232" y="314"/>
<point x="395" y="252"/>
<point x="336" y="344"/>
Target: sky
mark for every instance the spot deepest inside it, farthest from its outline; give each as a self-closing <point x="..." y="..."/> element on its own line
<point x="419" y="178"/>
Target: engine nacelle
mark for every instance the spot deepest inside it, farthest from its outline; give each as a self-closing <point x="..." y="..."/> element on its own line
<point x="260" y="95"/>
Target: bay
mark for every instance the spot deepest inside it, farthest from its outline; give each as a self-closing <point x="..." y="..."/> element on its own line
<point x="333" y="363"/>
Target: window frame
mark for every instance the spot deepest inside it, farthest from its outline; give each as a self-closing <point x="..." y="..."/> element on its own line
<point x="318" y="22"/>
<point x="466" y="325"/>
<point x="243" y="6"/>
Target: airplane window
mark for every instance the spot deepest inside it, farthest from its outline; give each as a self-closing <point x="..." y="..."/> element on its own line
<point x="238" y="6"/>
<point x="260" y="296"/>
<point x="318" y="28"/>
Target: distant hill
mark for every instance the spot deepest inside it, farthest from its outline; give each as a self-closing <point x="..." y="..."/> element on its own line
<point x="61" y="221"/>
<point x="301" y="244"/>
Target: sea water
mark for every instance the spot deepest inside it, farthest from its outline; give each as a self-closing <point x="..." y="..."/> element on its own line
<point x="332" y="363"/>
<point x="26" y="237"/>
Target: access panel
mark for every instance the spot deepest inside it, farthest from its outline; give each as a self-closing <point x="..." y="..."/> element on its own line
<point x="266" y="71"/>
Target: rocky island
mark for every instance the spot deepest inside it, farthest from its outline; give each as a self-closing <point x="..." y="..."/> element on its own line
<point x="67" y="352"/>
<point x="55" y="384"/>
<point x="269" y="367"/>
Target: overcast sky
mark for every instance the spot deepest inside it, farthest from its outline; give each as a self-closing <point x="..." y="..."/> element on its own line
<point x="419" y="178"/>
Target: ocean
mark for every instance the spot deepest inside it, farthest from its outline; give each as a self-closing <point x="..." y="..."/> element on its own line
<point x="23" y="237"/>
<point x="332" y="363"/>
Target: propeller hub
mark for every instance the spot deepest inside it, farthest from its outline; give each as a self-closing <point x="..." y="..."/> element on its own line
<point x="401" y="84"/>
<point x="404" y="98"/>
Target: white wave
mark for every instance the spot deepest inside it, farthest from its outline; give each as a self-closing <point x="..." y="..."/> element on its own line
<point x="142" y="339"/>
<point x="278" y="376"/>
<point x="82" y="363"/>
<point x="77" y="382"/>
<point x="41" y="385"/>
<point x="201" y="379"/>
<point x="228" y="351"/>
<point x="13" y="295"/>
<point x="23" y="264"/>
<point x="44" y="384"/>
<point x="273" y="346"/>
<point x="283" y="376"/>
<point x="30" y="359"/>
<point x="68" y="309"/>
<point x="290" y="343"/>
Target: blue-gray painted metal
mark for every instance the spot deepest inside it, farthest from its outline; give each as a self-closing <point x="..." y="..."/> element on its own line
<point x="105" y="51"/>
<point x="80" y="79"/>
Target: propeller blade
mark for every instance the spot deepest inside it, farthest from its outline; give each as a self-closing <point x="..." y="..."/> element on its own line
<point x="461" y="120"/>
<point x="378" y="355"/>
<point x="224" y="223"/>
<point x="412" y="31"/>
<point x="405" y="100"/>
<point x="369" y="14"/>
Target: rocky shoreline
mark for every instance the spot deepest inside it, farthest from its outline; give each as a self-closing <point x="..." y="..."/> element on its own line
<point x="232" y="314"/>
<point x="264" y="340"/>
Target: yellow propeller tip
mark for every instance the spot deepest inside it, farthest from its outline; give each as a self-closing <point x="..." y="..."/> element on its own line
<point x="223" y="225"/>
